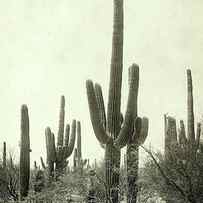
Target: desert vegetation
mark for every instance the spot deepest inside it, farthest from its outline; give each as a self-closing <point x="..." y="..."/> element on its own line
<point x="172" y="175"/>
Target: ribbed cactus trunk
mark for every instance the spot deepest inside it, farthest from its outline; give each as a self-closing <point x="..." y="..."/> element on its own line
<point x="79" y="150"/>
<point x="4" y="155"/>
<point x="190" y="111"/>
<point x="132" y="147"/>
<point x="61" y="122"/>
<point x="24" y="153"/>
<point x="51" y="153"/>
<point x="171" y="140"/>
<point x="132" y="172"/>
<point x="112" y="155"/>
<point x="75" y="163"/>
<point x="138" y="138"/>
<point x="60" y="138"/>
<point x="190" y="119"/>
<point x="4" y="186"/>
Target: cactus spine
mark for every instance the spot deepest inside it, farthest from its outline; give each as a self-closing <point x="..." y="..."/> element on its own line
<point x="24" y="153"/>
<point x="110" y="133"/>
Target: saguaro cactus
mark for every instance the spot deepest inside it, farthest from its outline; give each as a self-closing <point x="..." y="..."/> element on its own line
<point x="58" y="154"/>
<point x="79" y="146"/>
<point x="80" y="161"/>
<point x="171" y="140"/>
<point x="51" y="152"/>
<point x="4" y="155"/>
<point x="24" y="153"/>
<point x="190" y="144"/>
<point x="109" y="132"/>
<point x="75" y="160"/>
<point x="190" y="111"/>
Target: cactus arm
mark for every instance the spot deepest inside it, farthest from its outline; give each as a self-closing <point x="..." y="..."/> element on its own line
<point x="190" y="112"/>
<point x="182" y="134"/>
<point x="100" y="103"/>
<point x="131" y="111"/>
<point x="75" y="160"/>
<point x="141" y="134"/>
<point x="114" y="97"/>
<point x="24" y="153"/>
<point x="61" y="122"/>
<point x="69" y="149"/>
<point x="79" y="160"/>
<point x="42" y="163"/>
<point x="35" y="165"/>
<point x="94" y="114"/>
<point x="67" y="132"/>
<point x="84" y="162"/>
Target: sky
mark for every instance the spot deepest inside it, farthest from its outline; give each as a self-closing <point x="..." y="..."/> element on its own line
<point x="49" y="48"/>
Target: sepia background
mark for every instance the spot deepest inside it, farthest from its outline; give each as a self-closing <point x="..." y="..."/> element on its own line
<point x="50" y="47"/>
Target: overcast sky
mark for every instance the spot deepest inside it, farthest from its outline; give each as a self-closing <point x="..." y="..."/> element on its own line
<point x="50" y="47"/>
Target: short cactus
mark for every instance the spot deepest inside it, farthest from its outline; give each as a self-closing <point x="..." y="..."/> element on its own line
<point x="58" y="154"/>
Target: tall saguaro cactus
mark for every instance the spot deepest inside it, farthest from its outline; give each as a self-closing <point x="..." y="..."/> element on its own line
<point x="190" y="111"/>
<point x="114" y="132"/>
<point x="24" y="153"/>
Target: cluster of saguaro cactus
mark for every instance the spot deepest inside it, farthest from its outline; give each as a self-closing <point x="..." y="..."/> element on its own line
<point x="24" y="153"/>
<point x="190" y="144"/>
<point x="57" y="154"/>
<point x="115" y="132"/>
